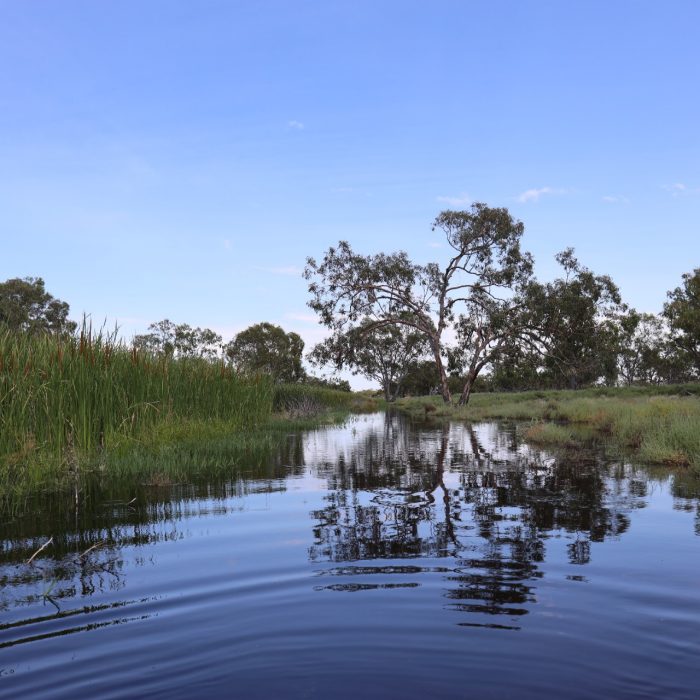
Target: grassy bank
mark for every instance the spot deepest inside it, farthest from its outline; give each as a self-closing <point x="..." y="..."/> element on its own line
<point x="73" y="405"/>
<point x="662" y="424"/>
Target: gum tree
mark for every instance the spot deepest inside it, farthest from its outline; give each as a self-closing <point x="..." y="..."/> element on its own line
<point x="573" y="323"/>
<point x="389" y="290"/>
<point x="266" y="348"/>
<point x="179" y="340"/>
<point x="26" y="306"/>
<point x="385" y="354"/>
<point x="683" y="314"/>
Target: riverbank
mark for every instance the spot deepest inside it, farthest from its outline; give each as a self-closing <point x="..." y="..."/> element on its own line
<point x="661" y="424"/>
<point x="72" y="407"/>
<point x="175" y="451"/>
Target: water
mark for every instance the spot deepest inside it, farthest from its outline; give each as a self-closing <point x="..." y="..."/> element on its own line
<point x="378" y="559"/>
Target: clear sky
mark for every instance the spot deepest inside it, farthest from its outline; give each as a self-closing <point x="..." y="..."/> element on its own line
<point x="163" y="158"/>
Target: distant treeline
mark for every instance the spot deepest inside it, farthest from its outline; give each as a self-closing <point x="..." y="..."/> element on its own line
<point x="480" y="321"/>
<point x="262" y="349"/>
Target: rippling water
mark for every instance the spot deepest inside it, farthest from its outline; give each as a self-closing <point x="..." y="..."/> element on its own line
<point x="378" y="559"/>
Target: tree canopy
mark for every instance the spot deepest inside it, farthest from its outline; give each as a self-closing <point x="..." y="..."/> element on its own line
<point x="683" y="314"/>
<point x="267" y="349"/>
<point x="383" y="353"/>
<point x="573" y="320"/>
<point x="179" y="340"/>
<point x="26" y="306"/>
<point x="486" y="265"/>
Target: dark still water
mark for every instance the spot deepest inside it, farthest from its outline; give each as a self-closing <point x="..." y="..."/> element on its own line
<point x="375" y="560"/>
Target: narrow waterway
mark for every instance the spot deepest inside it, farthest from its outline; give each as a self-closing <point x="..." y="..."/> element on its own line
<point x="377" y="559"/>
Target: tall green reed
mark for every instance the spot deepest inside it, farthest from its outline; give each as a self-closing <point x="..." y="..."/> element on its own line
<point x="59" y="394"/>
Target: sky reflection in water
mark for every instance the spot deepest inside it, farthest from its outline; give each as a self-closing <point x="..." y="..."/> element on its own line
<point x="378" y="558"/>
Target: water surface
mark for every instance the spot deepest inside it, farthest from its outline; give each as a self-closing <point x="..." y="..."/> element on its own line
<point x="377" y="559"/>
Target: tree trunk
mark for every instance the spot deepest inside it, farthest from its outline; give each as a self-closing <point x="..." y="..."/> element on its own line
<point x="466" y="392"/>
<point x="444" y="386"/>
<point x="472" y="374"/>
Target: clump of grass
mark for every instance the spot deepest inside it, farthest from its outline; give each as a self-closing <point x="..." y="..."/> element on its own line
<point x="550" y="434"/>
<point x="304" y="407"/>
<point x="299" y="399"/>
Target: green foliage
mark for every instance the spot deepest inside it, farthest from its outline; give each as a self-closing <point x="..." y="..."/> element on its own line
<point x="421" y="379"/>
<point x="78" y="394"/>
<point x="179" y="340"/>
<point x="573" y="319"/>
<point x="267" y="349"/>
<point x="332" y="383"/>
<point x="683" y="314"/>
<point x="647" y="353"/>
<point x="349" y="290"/>
<point x="383" y="353"/>
<point x="26" y="306"/>
<point x="287" y="396"/>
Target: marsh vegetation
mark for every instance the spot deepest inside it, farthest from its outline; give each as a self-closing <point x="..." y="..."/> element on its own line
<point x="374" y="534"/>
<point x="74" y="404"/>
<point x="659" y="424"/>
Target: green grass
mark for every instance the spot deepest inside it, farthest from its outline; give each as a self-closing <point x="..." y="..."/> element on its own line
<point x="301" y="399"/>
<point x="549" y="434"/>
<point x="81" y="393"/>
<point x="72" y="406"/>
<point x="661" y="423"/>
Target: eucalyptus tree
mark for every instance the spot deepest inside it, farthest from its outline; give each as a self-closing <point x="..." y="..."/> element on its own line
<point x="350" y="290"/>
<point x="268" y="349"/>
<point x="485" y="332"/>
<point x="572" y="321"/>
<point x="26" y="306"/>
<point x="383" y="353"/>
<point x="179" y="340"/>
<point x="644" y="355"/>
<point x="682" y="310"/>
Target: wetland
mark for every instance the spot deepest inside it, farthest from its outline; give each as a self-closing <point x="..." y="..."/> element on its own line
<point x="380" y="557"/>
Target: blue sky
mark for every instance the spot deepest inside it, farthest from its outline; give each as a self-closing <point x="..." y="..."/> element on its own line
<point x="181" y="159"/>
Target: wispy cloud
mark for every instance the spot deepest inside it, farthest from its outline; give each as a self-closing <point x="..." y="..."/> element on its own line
<point x="615" y="199"/>
<point x="675" y="188"/>
<point x="460" y="200"/>
<point x="288" y="270"/>
<point x="679" y="189"/>
<point x="294" y="124"/>
<point x="534" y="194"/>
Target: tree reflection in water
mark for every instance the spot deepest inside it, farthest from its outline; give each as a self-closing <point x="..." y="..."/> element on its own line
<point x="468" y="510"/>
<point x="468" y="502"/>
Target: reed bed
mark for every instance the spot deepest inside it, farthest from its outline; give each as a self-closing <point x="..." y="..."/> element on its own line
<point x="289" y="396"/>
<point x="65" y="395"/>
<point x="73" y="409"/>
